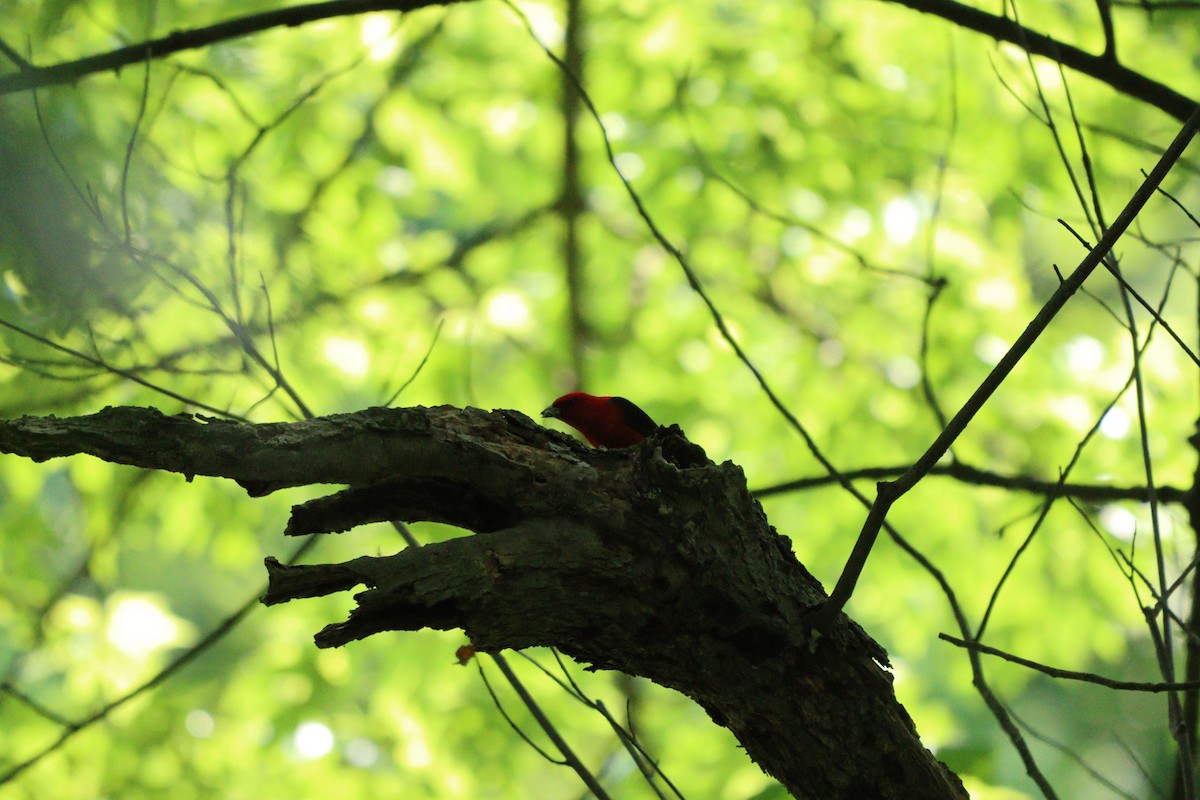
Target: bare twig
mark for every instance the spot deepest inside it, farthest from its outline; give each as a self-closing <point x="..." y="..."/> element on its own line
<point x="1067" y="674"/>
<point x="568" y="754"/>
<point x="891" y="491"/>
<point x="178" y="663"/>
<point x="1103" y="69"/>
<point x="178" y="41"/>
<point x="975" y="476"/>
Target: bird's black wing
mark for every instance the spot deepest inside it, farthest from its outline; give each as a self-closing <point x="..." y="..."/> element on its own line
<point x="638" y="420"/>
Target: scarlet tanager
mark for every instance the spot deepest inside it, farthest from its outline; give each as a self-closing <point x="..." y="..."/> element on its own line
<point x="604" y="421"/>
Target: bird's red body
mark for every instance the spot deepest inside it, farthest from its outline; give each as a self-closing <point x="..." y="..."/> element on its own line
<point x="604" y="421"/>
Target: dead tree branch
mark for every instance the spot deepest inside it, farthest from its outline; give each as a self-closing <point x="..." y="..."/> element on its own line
<point x="652" y="560"/>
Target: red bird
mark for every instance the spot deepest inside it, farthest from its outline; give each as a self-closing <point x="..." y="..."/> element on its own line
<point x="604" y="421"/>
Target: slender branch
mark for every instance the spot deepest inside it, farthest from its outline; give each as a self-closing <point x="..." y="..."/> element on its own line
<point x="1070" y="753"/>
<point x="572" y="760"/>
<point x="1115" y="271"/>
<point x="179" y="662"/>
<point x="1067" y="674"/>
<point x="1087" y="492"/>
<point x="13" y="56"/>
<point x="891" y="491"/>
<point x="178" y="41"/>
<point x="511" y="722"/>
<point x="571" y="194"/>
<point x="1100" y="67"/>
<point x="978" y="678"/>
<point x="124" y="373"/>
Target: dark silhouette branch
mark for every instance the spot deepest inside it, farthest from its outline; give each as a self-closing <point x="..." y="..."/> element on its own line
<point x="651" y="560"/>
<point x="974" y="476"/>
<point x="891" y="491"/>
<point x="1068" y="674"/>
<point x="1102" y="67"/>
<point x="32" y="77"/>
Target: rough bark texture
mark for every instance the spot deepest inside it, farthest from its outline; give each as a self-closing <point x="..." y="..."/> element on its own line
<point x="652" y="560"/>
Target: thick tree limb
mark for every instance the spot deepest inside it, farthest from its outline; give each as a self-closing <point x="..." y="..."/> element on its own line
<point x="651" y="560"/>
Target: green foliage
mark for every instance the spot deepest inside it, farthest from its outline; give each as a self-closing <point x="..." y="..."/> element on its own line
<point x="351" y="195"/>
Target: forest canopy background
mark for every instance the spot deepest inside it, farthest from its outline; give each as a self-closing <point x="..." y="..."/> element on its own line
<point x="311" y="218"/>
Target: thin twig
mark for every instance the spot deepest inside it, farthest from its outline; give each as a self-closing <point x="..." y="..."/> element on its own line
<point x="512" y="723"/>
<point x="568" y="754"/>
<point x="179" y="662"/>
<point x="124" y="373"/>
<point x="179" y="41"/>
<point x="1067" y="674"/>
<point x="891" y="491"/>
<point x="975" y="476"/>
<point x="424" y="360"/>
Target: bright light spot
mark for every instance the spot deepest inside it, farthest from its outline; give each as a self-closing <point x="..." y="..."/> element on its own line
<point x="822" y="266"/>
<point x="137" y="626"/>
<point x="396" y="181"/>
<point x="856" y="224"/>
<point x="990" y="349"/>
<point x="893" y="78"/>
<point x="507" y="310"/>
<point x="1115" y="424"/>
<point x="663" y="37"/>
<point x="376" y="33"/>
<point x="795" y="242"/>
<point x="1013" y="53"/>
<point x="630" y="165"/>
<point x="717" y="340"/>
<point x="459" y="326"/>
<point x="1119" y="522"/>
<point x="14" y="286"/>
<point x="901" y="218"/>
<point x="507" y="120"/>
<point x="1084" y="354"/>
<point x="695" y="356"/>
<point x="648" y="262"/>
<point x="312" y="739"/>
<point x="437" y="157"/>
<point x="764" y="62"/>
<point x="416" y="754"/>
<point x="1073" y="410"/>
<point x="806" y="204"/>
<point x="393" y="255"/>
<point x="902" y="372"/>
<point x="362" y="753"/>
<point x="901" y="672"/>
<point x="81" y="615"/>
<point x="544" y="23"/>
<point x="414" y="751"/>
<point x="1166" y="525"/>
<point x="199" y="723"/>
<point x="376" y="310"/>
<point x="704" y="92"/>
<point x="615" y="124"/>
<point x="348" y="355"/>
<point x="831" y="352"/>
<point x="998" y="293"/>
<point x="958" y="246"/>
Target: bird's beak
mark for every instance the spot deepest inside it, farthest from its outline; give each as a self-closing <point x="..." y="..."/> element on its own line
<point x="551" y="412"/>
